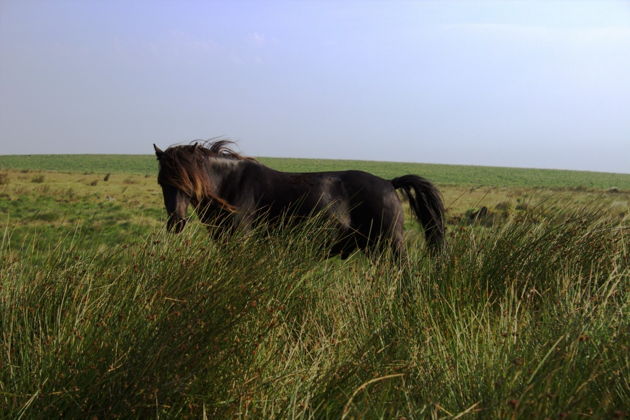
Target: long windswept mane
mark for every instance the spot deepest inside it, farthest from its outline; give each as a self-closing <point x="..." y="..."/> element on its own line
<point x="187" y="168"/>
<point x="221" y="148"/>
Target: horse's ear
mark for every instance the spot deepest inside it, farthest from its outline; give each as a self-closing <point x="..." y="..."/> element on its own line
<point x="158" y="152"/>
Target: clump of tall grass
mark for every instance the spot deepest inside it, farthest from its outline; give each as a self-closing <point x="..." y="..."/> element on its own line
<point x="526" y="319"/>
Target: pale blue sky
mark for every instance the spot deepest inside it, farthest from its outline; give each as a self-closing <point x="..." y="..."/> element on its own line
<point x="507" y="83"/>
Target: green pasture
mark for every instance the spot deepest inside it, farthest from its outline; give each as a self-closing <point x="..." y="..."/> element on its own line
<point x="442" y="174"/>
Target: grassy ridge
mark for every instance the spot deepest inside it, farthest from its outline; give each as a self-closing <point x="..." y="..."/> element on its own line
<point x="443" y="174"/>
<point x="463" y="174"/>
<point x="129" y="164"/>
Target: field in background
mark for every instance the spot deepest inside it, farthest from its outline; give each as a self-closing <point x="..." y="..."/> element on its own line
<point x="441" y="174"/>
<point x="103" y="314"/>
<point x="116" y="197"/>
<point x="122" y="207"/>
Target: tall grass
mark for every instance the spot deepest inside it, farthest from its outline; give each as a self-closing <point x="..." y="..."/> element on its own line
<point x="529" y="319"/>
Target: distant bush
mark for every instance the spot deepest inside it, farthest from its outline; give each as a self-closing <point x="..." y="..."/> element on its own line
<point x="579" y="188"/>
<point x="46" y="216"/>
<point x="70" y="194"/>
<point x="484" y="217"/>
<point x="503" y="206"/>
<point x="37" y="179"/>
<point x="522" y="206"/>
<point x="4" y="179"/>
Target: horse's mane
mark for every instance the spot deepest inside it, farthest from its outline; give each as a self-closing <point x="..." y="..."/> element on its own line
<point x="187" y="168"/>
<point x="221" y="148"/>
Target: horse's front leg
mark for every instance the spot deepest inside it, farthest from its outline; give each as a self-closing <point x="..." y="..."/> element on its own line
<point x="244" y="218"/>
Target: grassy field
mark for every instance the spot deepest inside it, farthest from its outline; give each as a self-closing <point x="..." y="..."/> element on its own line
<point x="103" y="314"/>
<point x="442" y="174"/>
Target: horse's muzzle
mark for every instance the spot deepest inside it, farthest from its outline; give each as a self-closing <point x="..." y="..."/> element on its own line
<point x="175" y="222"/>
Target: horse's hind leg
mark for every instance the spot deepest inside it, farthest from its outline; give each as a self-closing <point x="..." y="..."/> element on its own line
<point x="390" y="239"/>
<point x="343" y="247"/>
<point x="398" y="249"/>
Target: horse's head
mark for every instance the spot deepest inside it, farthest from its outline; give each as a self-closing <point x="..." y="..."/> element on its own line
<point x="176" y="203"/>
<point x="187" y="176"/>
<point x="176" y="200"/>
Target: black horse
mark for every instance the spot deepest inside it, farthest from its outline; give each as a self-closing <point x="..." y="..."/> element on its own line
<point x="238" y="191"/>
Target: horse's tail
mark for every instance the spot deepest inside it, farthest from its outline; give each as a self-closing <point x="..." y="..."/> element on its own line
<point x="426" y="202"/>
